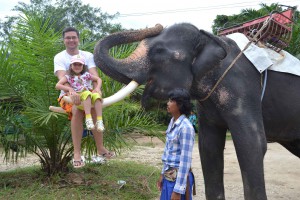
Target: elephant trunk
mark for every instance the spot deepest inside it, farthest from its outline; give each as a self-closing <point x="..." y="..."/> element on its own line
<point x="136" y="66"/>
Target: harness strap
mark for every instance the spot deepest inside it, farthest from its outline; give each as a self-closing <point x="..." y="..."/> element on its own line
<point x="226" y="71"/>
<point x="255" y="40"/>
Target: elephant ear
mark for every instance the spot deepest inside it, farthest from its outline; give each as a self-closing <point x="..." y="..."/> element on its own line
<point x="211" y="51"/>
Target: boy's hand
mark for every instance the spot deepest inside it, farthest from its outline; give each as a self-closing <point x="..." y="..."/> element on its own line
<point x="159" y="182"/>
<point x="175" y="196"/>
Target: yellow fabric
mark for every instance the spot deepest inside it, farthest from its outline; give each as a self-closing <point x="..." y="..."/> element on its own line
<point x="85" y="94"/>
<point x="99" y="118"/>
<point x="88" y="116"/>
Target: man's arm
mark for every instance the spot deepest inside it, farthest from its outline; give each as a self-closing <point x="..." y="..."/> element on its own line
<point x="98" y="82"/>
<point x="60" y="74"/>
<point x="61" y="85"/>
<point x="74" y="96"/>
<point x="93" y="71"/>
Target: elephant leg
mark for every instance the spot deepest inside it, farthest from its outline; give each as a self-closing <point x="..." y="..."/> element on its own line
<point x="293" y="147"/>
<point x="211" y="147"/>
<point x="250" y="145"/>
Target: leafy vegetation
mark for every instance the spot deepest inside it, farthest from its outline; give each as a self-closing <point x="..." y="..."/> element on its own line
<point x="28" y="76"/>
<point x="93" y="23"/>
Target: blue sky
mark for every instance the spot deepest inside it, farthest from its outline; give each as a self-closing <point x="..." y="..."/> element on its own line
<point x="138" y="14"/>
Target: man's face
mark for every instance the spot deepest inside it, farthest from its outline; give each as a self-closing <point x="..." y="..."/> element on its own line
<point x="71" y="40"/>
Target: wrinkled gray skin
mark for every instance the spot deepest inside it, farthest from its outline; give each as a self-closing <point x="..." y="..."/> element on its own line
<point x="185" y="57"/>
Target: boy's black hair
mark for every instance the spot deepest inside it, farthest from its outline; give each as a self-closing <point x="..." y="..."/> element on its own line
<point x="69" y="29"/>
<point x="183" y="100"/>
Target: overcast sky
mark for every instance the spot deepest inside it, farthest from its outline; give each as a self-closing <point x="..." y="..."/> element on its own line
<point x="138" y="14"/>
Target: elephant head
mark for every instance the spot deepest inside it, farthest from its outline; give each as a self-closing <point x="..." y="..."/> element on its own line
<point x="168" y="58"/>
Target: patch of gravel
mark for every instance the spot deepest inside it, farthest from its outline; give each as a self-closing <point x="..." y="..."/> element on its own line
<point x="27" y="161"/>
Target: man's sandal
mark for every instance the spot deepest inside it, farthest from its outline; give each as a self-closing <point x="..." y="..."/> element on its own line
<point x="98" y="159"/>
<point x="78" y="163"/>
<point x="108" y="155"/>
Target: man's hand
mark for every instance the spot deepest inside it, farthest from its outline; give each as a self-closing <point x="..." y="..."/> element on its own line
<point x="75" y="98"/>
<point x="175" y="196"/>
<point x="159" y="182"/>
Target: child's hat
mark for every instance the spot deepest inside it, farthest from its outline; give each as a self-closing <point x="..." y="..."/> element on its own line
<point x="77" y="59"/>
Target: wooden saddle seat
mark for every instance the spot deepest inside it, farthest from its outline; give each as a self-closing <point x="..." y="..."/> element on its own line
<point x="273" y="30"/>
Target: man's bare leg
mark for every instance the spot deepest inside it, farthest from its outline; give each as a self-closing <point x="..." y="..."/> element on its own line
<point x="98" y="136"/>
<point x="77" y="130"/>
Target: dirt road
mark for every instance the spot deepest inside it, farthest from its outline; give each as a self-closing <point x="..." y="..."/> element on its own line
<point x="282" y="170"/>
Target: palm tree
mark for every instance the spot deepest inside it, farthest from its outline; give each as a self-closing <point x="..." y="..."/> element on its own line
<point x="28" y="76"/>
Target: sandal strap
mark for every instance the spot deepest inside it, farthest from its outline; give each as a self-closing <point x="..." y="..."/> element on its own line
<point x="78" y="163"/>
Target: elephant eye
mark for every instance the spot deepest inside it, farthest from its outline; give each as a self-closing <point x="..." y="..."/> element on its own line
<point x="178" y="55"/>
<point x="158" y="54"/>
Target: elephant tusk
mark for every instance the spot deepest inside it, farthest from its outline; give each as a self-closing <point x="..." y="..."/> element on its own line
<point x="57" y="109"/>
<point x="120" y="95"/>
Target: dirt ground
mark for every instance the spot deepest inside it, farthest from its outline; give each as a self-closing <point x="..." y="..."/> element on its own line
<point x="282" y="169"/>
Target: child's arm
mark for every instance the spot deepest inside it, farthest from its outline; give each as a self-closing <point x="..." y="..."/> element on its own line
<point x="60" y="85"/>
<point x="98" y="81"/>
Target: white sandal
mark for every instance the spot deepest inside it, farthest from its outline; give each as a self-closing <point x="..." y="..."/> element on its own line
<point x="98" y="159"/>
<point x="100" y="126"/>
<point x="89" y="124"/>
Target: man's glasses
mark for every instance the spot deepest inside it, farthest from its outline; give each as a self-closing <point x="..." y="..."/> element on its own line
<point x="71" y="38"/>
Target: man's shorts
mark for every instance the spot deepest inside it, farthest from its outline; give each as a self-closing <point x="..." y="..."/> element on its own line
<point x="66" y="106"/>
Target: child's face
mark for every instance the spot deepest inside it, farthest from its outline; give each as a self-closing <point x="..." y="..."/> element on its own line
<point x="77" y="67"/>
<point x="172" y="107"/>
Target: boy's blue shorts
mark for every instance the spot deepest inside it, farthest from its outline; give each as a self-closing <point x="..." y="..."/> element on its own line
<point x="167" y="188"/>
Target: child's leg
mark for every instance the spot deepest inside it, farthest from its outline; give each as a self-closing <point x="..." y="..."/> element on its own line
<point x="98" y="109"/>
<point x="96" y="99"/>
<point x="87" y="105"/>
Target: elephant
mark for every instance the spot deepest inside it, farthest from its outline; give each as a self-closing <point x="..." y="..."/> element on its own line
<point x="183" y="56"/>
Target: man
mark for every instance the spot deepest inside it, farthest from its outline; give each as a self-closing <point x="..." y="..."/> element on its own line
<point x="177" y="180"/>
<point x="61" y="65"/>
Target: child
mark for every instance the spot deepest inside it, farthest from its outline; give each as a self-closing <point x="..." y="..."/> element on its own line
<point x="193" y="120"/>
<point x="80" y="81"/>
